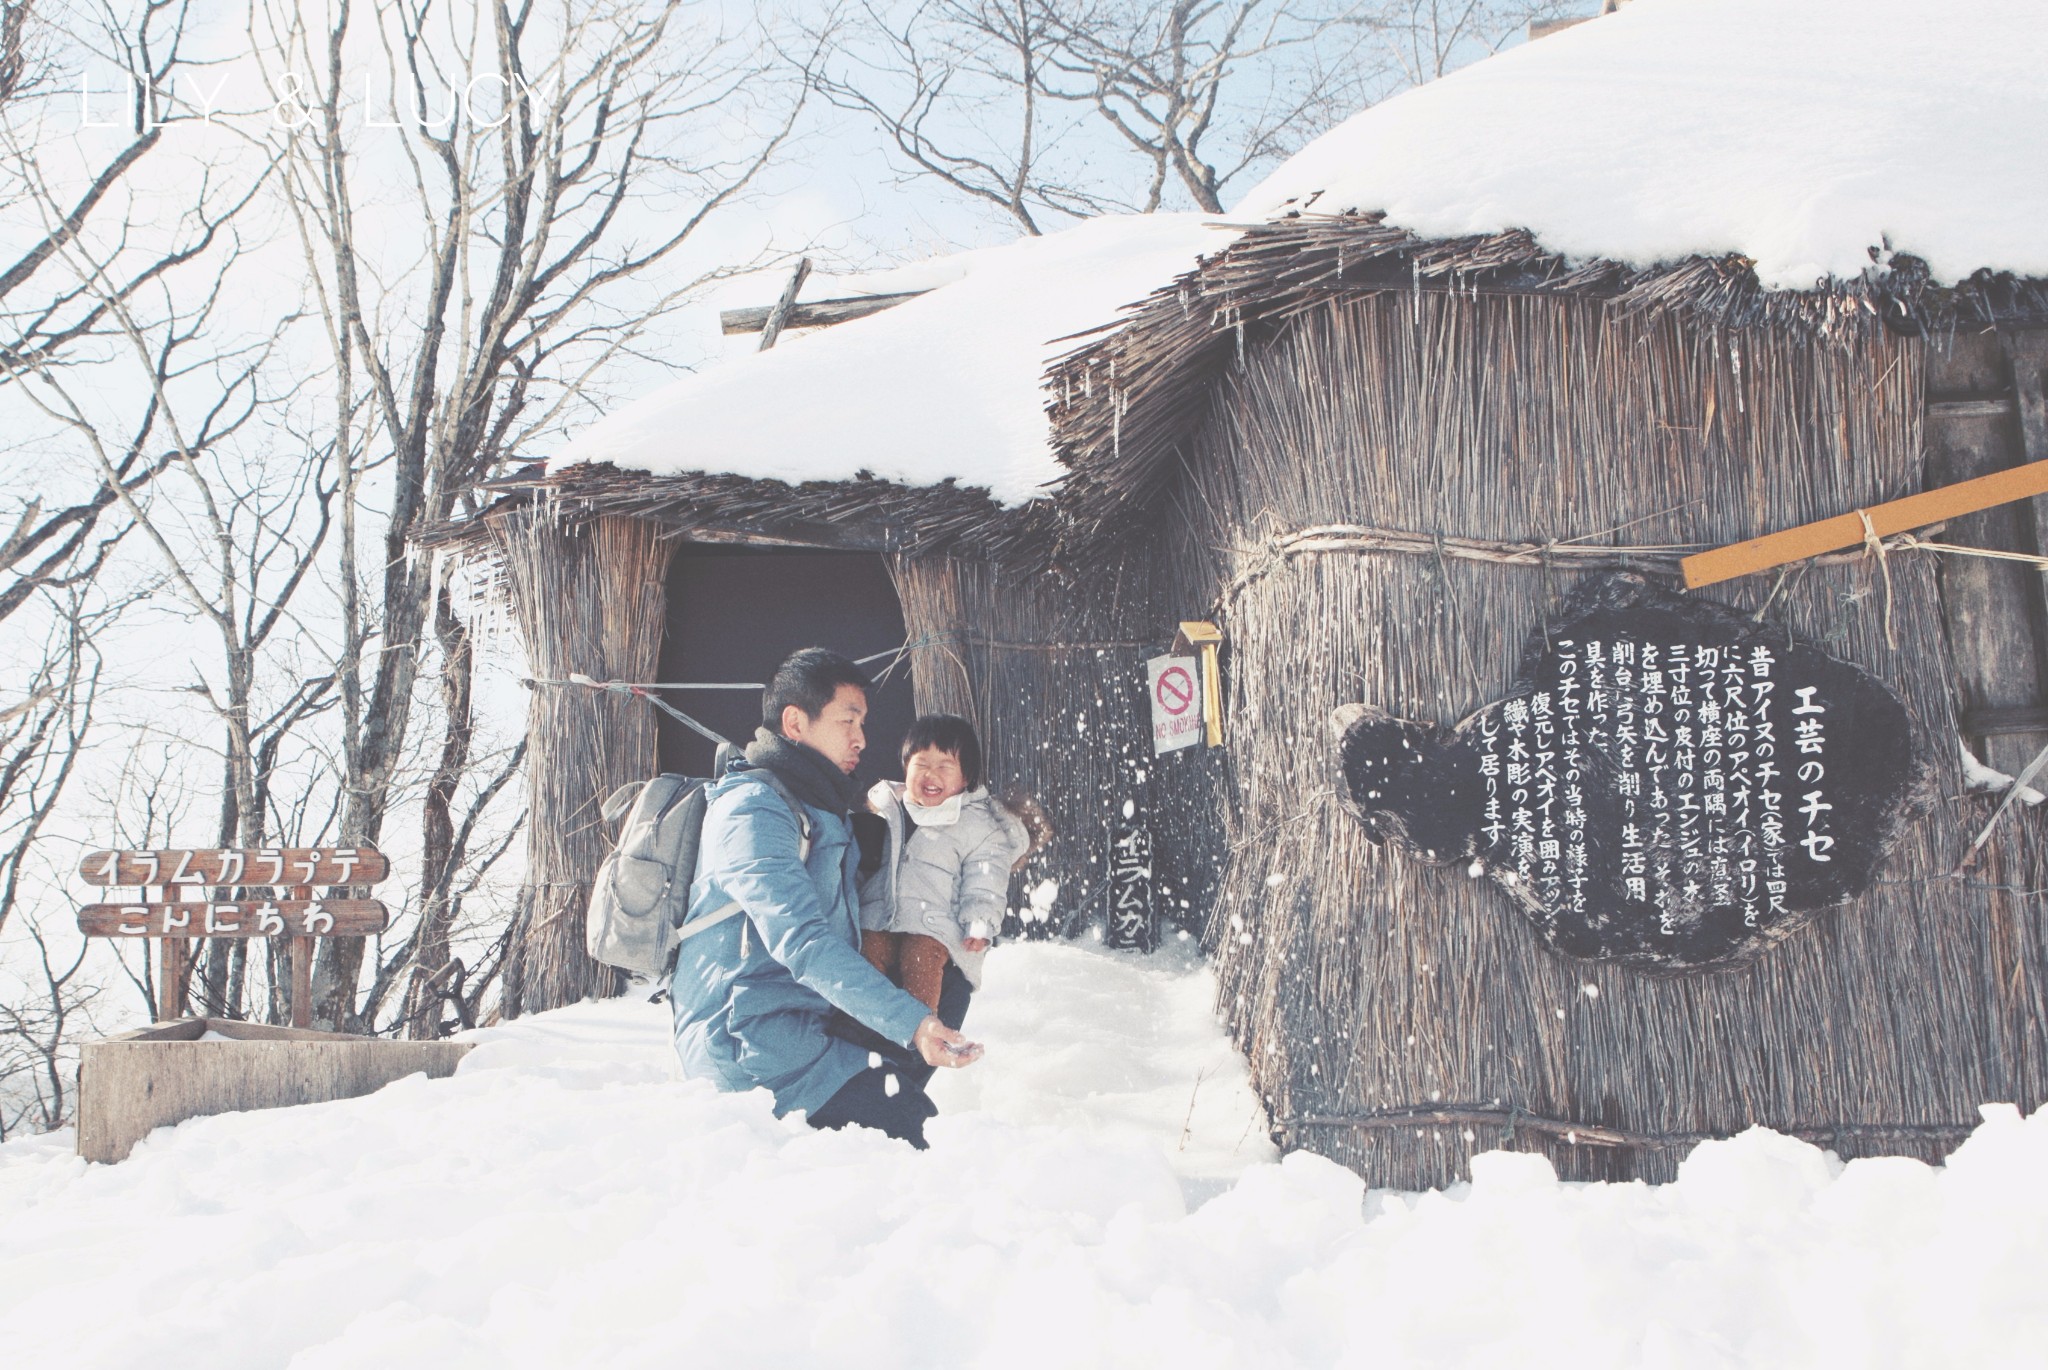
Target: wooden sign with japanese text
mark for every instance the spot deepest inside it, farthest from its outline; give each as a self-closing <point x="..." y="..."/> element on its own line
<point x="1669" y="785"/>
<point x="178" y="921"/>
<point x="240" y="918"/>
<point x="1133" y="913"/>
<point x="328" y="866"/>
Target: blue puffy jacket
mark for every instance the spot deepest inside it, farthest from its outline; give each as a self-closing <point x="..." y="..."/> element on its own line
<point x="751" y="994"/>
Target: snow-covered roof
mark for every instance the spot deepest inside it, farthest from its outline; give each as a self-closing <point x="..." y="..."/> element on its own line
<point x="1798" y="133"/>
<point x="945" y="386"/>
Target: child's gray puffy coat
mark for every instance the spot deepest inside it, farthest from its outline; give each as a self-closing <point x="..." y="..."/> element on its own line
<point x="952" y="882"/>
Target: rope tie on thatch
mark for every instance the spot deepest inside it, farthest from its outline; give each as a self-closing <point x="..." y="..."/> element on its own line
<point x="1906" y="542"/>
<point x="1591" y="1134"/>
<point x="1873" y="545"/>
<point x="1556" y="554"/>
<point x="1878" y="547"/>
<point x="1349" y="537"/>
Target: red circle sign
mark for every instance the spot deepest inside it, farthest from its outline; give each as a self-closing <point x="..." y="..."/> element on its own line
<point x="1176" y="690"/>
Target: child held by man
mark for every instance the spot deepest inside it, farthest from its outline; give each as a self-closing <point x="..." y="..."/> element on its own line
<point x="943" y="885"/>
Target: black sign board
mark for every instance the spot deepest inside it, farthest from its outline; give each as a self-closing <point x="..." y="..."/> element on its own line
<point x="1670" y="784"/>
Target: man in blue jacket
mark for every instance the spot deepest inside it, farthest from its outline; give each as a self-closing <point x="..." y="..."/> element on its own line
<point x="752" y="993"/>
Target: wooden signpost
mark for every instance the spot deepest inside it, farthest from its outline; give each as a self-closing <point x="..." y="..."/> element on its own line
<point x="176" y="917"/>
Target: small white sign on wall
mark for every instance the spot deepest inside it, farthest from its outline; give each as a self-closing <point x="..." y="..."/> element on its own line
<point x="1174" y="685"/>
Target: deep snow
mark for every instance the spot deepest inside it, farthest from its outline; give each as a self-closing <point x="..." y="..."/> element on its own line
<point x="564" y="1200"/>
<point x="1798" y="133"/>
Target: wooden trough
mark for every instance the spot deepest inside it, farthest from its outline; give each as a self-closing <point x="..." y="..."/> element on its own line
<point x="163" y="1074"/>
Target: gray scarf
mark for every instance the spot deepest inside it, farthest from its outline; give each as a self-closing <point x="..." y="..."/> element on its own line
<point x="808" y="772"/>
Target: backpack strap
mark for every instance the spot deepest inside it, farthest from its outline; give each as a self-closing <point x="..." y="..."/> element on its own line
<point x="803" y="853"/>
<point x="803" y="816"/>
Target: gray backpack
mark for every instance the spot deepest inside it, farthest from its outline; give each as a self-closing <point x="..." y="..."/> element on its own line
<point x="642" y="891"/>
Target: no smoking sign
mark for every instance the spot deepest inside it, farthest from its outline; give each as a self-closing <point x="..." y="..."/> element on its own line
<point x="1171" y="683"/>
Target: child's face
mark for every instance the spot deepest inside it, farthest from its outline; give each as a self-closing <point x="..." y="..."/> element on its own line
<point x="932" y="777"/>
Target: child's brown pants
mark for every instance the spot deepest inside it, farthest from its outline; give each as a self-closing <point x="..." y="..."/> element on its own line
<point x="911" y="960"/>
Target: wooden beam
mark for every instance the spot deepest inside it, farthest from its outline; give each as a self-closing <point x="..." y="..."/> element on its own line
<point x="2028" y="351"/>
<point x="1848" y="530"/>
<point x="1993" y="407"/>
<point x="2003" y="722"/>
<point x="778" y="316"/>
<point x="812" y="314"/>
<point x="1993" y="613"/>
<point x="841" y="537"/>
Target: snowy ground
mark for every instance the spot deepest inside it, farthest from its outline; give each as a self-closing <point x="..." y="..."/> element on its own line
<point x="566" y="1201"/>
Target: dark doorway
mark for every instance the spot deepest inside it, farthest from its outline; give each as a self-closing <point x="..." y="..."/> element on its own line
<point x="735" y="612"/>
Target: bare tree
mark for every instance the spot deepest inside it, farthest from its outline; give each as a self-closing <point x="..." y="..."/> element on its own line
<point x="970" y="93"/>
<point x="38" y="1058"/>
<point x="238" y="536"/>
<point x="1008" y="101"/>
<point x="548" y="163"/>
<point x="432" y="977"/>
<point x="957" y="88"/>
<point x="1427" y="39"/>
<point x="48" y="310"/>
<point x="41" y="733"/>
<point x="40" y="739"/>
<point x="87" y="274"/>
<point x="1204" y="89"/>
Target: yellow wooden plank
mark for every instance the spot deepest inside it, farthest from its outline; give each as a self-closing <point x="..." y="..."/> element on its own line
<point x="1847" y="530"/>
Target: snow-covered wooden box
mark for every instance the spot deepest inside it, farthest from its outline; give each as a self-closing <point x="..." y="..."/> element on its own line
<point x="155" y="1076"/>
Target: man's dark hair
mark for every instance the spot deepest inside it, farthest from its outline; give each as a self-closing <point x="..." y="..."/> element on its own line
<point x="808" y="679"/>
<point x="948" y="733"/>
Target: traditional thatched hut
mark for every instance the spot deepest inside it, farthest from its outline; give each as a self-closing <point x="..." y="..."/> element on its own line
<point x="1386" y="452"/>
<point x="1571" y="311"/>
<point x="876" y="488"/>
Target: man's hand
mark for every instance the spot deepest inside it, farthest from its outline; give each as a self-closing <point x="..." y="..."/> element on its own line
<point x="941" y="1046"/>
<point x="974" y="943"/>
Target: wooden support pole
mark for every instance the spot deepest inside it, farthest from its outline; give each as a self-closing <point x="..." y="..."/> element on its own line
<point x="1847" y="530"/>
<point x="302" y="970"/>
<point x="170" y="968"/>
<point x="1206" y="641"/>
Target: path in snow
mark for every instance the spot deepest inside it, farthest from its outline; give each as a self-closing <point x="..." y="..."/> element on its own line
<point x="564" y="1200"/>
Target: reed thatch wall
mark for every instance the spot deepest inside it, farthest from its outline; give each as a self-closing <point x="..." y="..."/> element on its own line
<point x="588" y="597"/>
<point x="1400" y="1018"/>
<point x="1050" y="669"/>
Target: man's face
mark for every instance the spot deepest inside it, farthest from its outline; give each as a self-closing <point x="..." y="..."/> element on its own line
<point x="836" y="731"/>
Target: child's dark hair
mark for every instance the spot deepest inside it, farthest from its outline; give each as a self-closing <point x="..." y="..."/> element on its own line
<point x="948" y="733"/>
<point x="808" y="679"/>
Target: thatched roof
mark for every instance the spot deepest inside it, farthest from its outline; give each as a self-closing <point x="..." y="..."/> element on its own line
<point x="1122" y="401"/>
<point x="920" y="428"/>
<point x="861" y="514"/>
